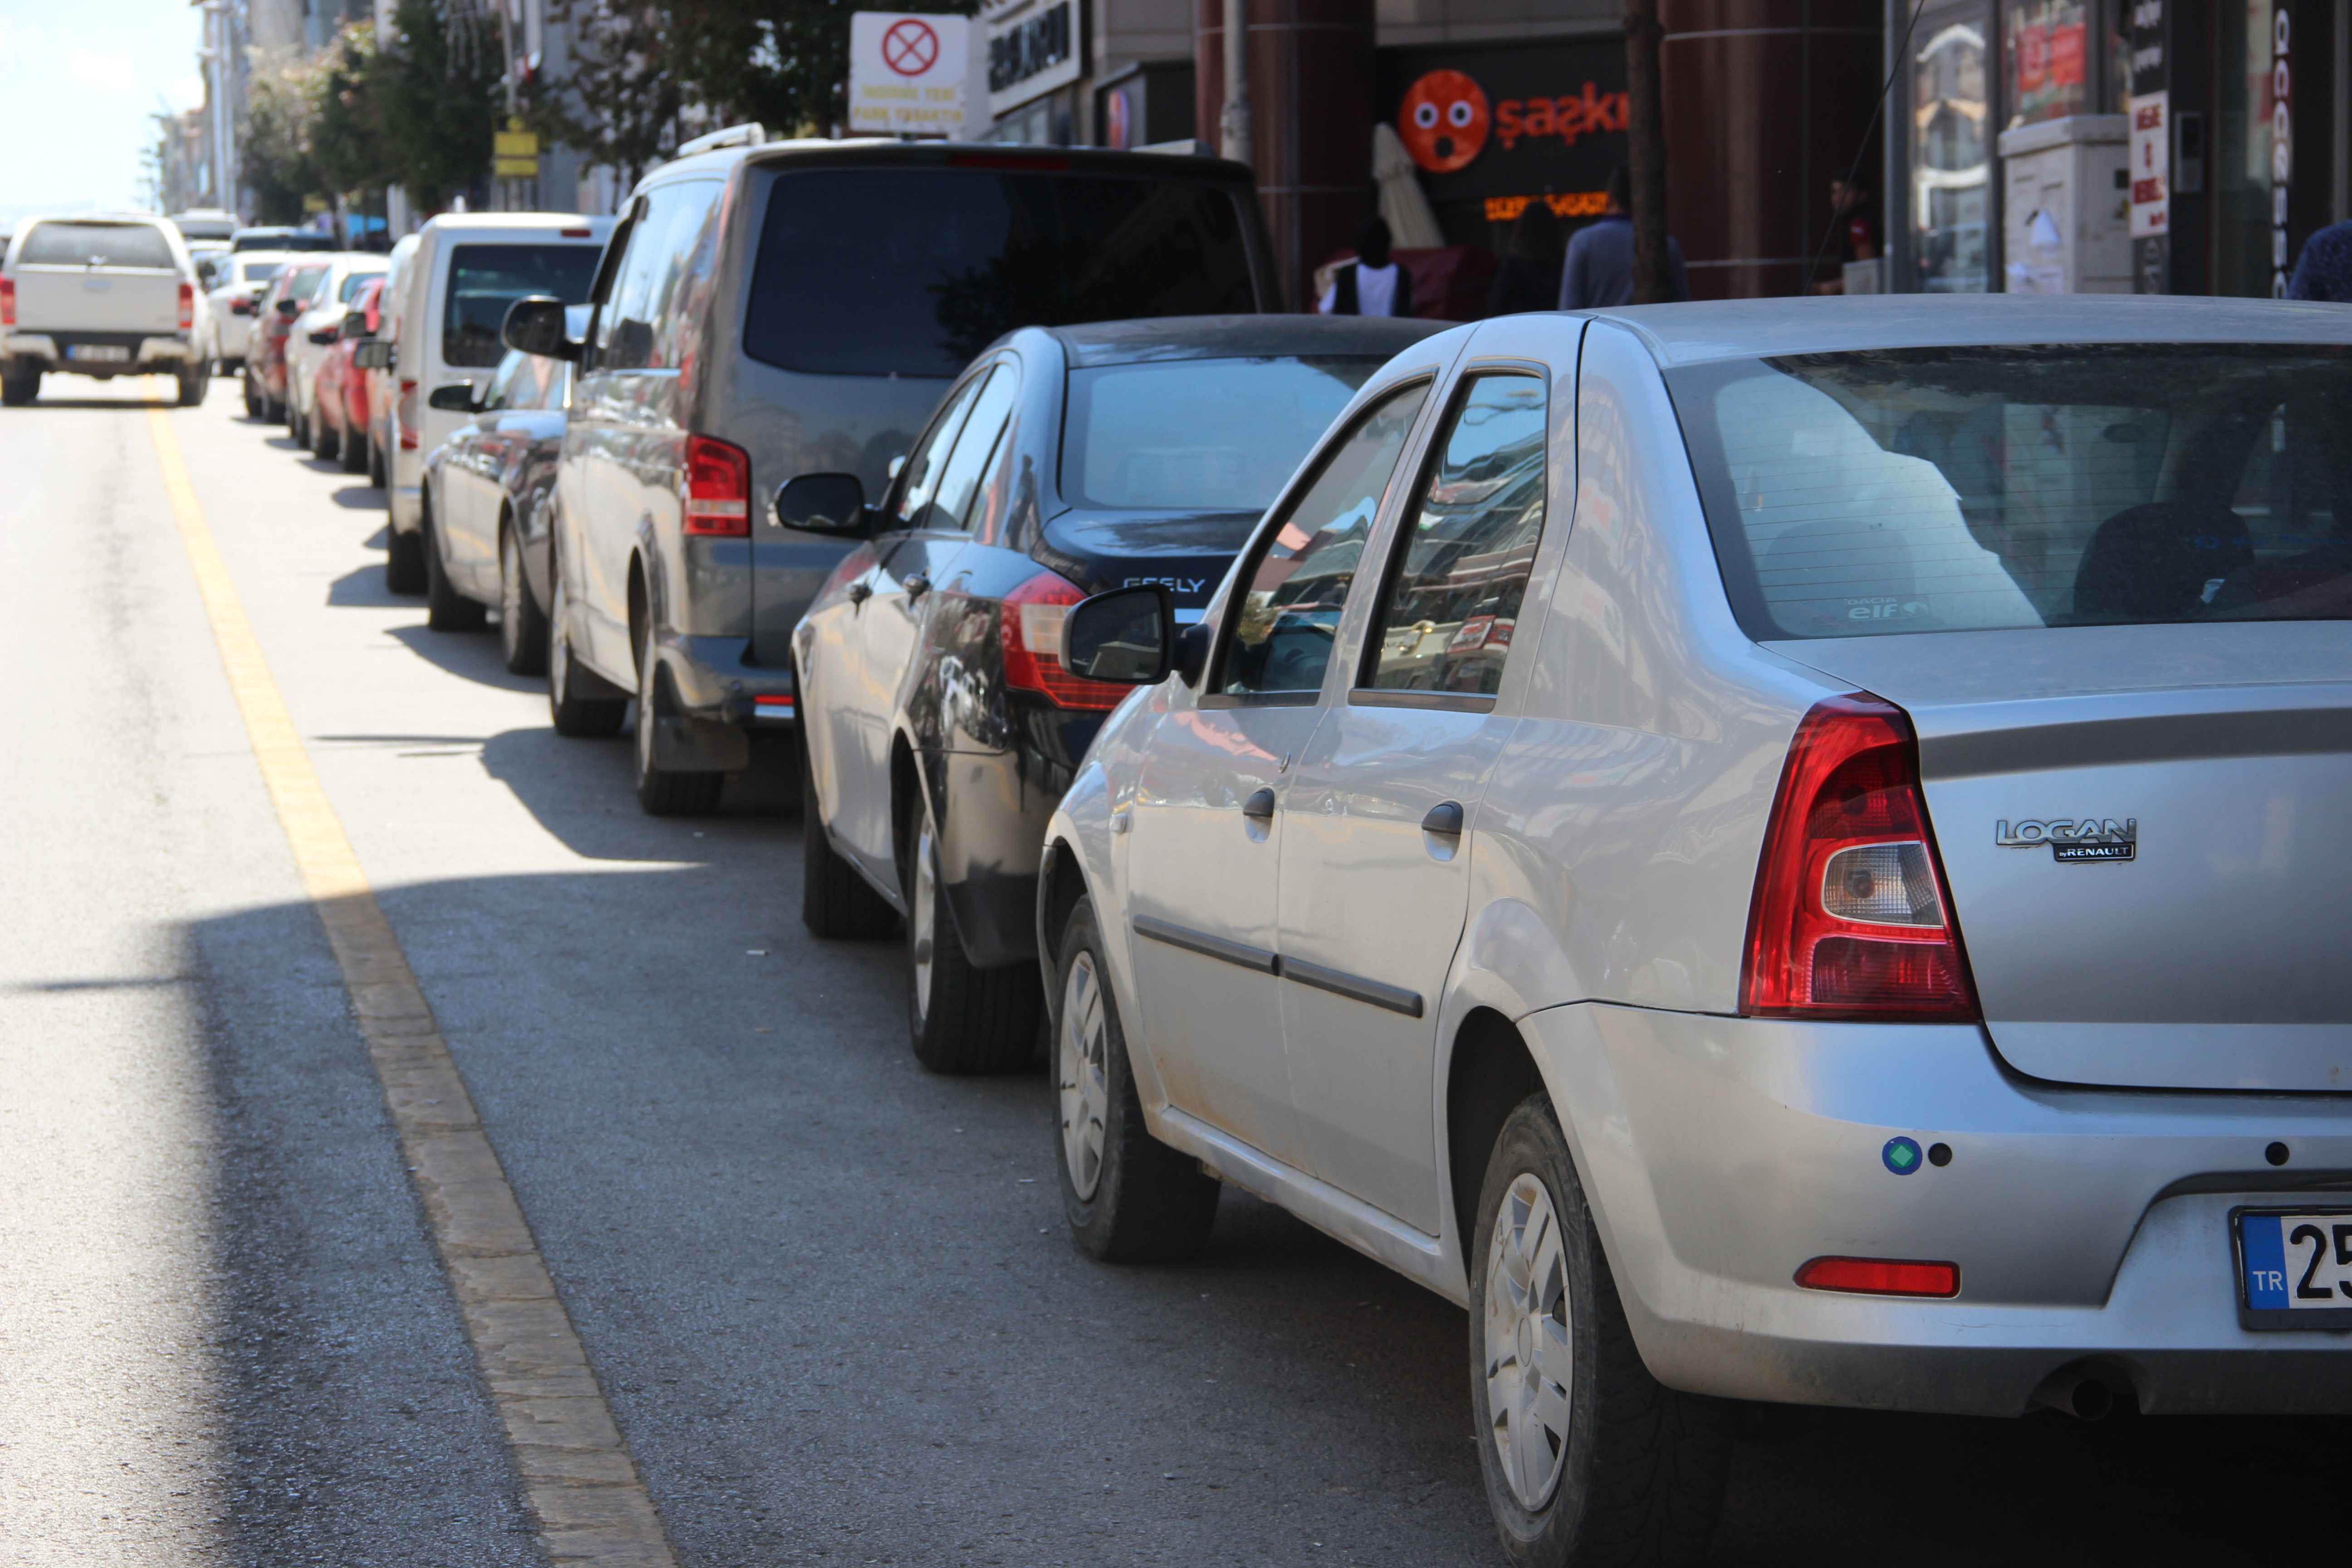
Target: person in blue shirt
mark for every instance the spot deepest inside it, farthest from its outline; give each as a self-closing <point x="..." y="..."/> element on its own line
<point x="1600" y="270"/>
<point x="2323" y="271"/>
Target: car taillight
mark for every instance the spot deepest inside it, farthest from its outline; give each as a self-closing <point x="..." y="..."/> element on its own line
<point x="7" y="301"/>
<point x="187" y="306"/>
<point x="1031" y="629"/>
<point x="240" y="307"/>
<point x="406" y="412"/>
<point x="1852" y="918"/>
<point x="1881" y="1277"/>
<point x="717" y="488"/>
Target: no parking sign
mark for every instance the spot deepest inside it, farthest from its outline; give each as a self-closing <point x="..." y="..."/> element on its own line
<point x="911" y="75"/>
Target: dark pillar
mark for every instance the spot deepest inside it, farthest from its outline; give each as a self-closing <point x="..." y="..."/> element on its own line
<point x="1766" y="102"/>
<point x="1310" y="72"/>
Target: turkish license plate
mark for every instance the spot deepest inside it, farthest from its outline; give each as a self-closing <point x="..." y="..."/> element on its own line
<point x="2295" y="1267"/>
<point x="103" y="353"/>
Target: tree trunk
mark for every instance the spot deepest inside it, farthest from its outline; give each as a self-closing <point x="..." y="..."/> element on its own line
<point x="1646" y="152"/>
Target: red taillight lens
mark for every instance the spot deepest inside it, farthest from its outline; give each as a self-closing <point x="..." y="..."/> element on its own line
<point x="7" y="301"/>
<point x="1880" y="1277"/>
<point x="1032" y="633"/>
<point x="717" y="488"/>
<point x="406" y="411"/>
<point x="187" y="306"/>
<point x="241" y="307"/>
<point x="1852" y="918"/>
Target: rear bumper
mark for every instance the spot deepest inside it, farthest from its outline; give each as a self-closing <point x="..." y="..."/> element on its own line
<point x="143" y="351"/>
<point x="2088" y="1226"/>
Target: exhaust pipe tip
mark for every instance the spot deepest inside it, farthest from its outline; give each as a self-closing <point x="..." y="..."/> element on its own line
<point x="2087" y="1392"/>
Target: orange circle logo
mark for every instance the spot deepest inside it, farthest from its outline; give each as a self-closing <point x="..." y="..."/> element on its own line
<point x="1443" y="121"/>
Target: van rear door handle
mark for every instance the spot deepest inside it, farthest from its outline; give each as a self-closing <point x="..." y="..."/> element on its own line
<point x="1445" y="817"/>
<point x="917" y="586"/>
<point x="1259" y="806"/>
<point x="860" y="591"/>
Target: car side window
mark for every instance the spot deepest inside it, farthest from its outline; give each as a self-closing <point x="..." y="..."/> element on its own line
<point x="1281" y="637"/>
<point x="1460" y="569"/>
<point x="983" y="429"/>
<point x="921" y="478"/>
<point x="637" y="328"/>
<point x="506" y="385"/>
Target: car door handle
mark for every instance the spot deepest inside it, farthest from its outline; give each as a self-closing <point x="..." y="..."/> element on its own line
<point x="918" y="586"/>
<point x="1259" y="806"/>
<point x="1445" y="817"/>
<point x="860" y="592"/>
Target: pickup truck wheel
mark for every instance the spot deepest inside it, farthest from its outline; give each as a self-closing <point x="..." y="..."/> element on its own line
<point x="665" y="791"/>
<point x="16" y="391"/>
<point x="1588" y="1459"/>
<point x="1129" y="1198"/>
<point x="403" y="560"/>
<point x="445" y="609"/>
<point x="522" y="629"/>
<point x="193" y="385"/>
<point x="835" y="901"/>
<point x="575" y="716"/>
<point x="961" y="1018"/>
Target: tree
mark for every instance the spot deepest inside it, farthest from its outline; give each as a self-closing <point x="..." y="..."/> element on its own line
<point x="349" y="142"/>
<point x="438" y="89"/>
<point x="620" y="105"/>
<point x="280" y="121"/>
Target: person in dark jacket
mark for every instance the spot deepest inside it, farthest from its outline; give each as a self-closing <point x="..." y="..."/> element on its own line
<point x="2323" y="271"/>
<point x="1530" y="277"/>
<point x="1599" y="268"/>
<point x="1375" y="283"/>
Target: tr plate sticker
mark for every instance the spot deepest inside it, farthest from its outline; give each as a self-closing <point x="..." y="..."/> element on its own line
<point x="1901" y="1155"/>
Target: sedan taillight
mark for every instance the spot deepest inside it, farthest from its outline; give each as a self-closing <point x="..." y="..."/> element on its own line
<point x="1030" y="630"/>
<point x="1852" y="918"/>
<point x="7" y="301"/>
<point x="718" y="489"/>
<point x="187" y="306"/>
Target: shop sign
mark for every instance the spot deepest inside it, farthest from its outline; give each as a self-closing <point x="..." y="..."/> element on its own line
<point x="2282" y="145"/>
<point x="910" y="75"/>
<point x="2149" y="107"/>
<point x="1033" y="50"/>
<point x="1500" y="127"/>
<point x="514" y="153"/>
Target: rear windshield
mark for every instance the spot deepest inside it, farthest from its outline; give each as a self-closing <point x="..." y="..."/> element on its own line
<point x="95" y="245"/>
<point x="913" y="271"/>
<point x="484" y="279"/>
<point x="305" y="283"/>
<point x="260" y="271"/>
<point x="1941" y="489"/>
<point x="1218" y="435"/>
<point x="353" y="282"/>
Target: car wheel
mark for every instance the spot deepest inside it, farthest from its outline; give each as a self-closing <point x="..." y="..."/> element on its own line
<point x="445" y="609"/>
<point x="835" y="901"/>
<point x="665" y="791"/>
<point x="356" y="451"/>
<point x="326" y="441"/>
<point x="16" y="391"/>
<point x="579" y="718"/>
<point x="1588" y="1459"/>
<point x="193" y="386"/>
<point x="273" y="410"/>
<point x="1129" y="1198"/>
<point x="522" y="630"/>
<point x="403" y="560"/>
<point x="252" y="398"/>
<point x="374" y="462"/>
<point x="962" y="1020"/>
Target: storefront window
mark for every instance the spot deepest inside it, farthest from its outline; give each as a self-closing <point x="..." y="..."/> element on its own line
<point x="2046" y="45"/>
<point x="1951" y="188"/>
<point x="2249" y="240"/>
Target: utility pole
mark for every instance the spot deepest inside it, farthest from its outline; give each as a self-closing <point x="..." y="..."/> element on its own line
<point x="1646" y="152"/>
<point x="1233" y="124"/>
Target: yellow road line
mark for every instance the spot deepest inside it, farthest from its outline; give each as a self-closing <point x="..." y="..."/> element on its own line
<point x="577" y="1471"/>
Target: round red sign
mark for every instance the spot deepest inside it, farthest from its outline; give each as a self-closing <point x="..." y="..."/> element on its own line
<point x="911" y="48"/>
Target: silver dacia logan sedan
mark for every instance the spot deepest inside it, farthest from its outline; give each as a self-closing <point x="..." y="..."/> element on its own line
<point x="1791" y="850"/>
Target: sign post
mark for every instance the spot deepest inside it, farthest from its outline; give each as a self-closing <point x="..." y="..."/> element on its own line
<point x="912" y="75"/>
<point x="2149" y="170"/>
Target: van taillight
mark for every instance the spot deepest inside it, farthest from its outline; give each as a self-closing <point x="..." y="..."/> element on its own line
<point x="7" y="301"/>
<point x="406" y="412"/>
<point x="717" y="488"/>
<point x="187" y="306"/>
<point x="1852" y="917"/>
<point x="1030" y="630"/>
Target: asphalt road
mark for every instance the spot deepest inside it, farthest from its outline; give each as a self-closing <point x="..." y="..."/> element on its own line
<point x="830" y="1299"/>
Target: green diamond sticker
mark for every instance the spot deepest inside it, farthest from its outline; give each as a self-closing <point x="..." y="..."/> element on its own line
<point x="1901" y="1155"/>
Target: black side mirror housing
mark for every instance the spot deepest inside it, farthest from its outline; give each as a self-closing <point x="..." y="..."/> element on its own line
<point x="1127" y="635"/>
<point x="456" y="397"/>
<point x="289" y="309"/>
<point x="822" y="503"/>
<point x="324" y="336"/>
<point x="375" y="353"/>
<point x="534" y="324"/>
<point x="1192" y="652"/>
<point x="355" y="323"/>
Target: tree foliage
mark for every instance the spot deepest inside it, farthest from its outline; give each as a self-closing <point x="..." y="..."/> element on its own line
<point x="280" y="124"/>
<point x="439" y="85"/>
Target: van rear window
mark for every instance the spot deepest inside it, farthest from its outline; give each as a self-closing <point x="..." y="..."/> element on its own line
<point x="484" y="279"/>
<point x="95" y="245"/>
<point x="913" y="271"/>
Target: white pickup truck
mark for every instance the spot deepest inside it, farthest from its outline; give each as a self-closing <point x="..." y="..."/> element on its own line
<point x="101" y="297"/>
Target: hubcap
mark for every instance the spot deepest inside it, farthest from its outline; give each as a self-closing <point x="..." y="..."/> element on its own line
<point x="645" y="735"/>
<point x="922" y="922"/>
<point x="559" y="644"/>
<point x="1084" y="1082"/>
<point x="1529" y="1342"/>
<point x="509" y="593"/>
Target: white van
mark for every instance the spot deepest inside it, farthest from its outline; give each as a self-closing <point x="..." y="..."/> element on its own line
<point x="453" y="295"/>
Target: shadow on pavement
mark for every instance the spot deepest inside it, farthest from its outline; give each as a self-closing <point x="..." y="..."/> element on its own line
<point x="473" y="654"/>
<point x="584" y="793"/>
<point x="381" y="538"/>
<point x="358" y="498"/>
<point x="363" y="589"/>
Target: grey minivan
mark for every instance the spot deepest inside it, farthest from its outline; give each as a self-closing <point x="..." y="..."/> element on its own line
<point x="767" y="309"/>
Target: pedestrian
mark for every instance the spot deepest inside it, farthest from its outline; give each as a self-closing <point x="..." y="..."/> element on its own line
<point x="1530" y="277"/>
<point x="2323" y="271"/>
<point x="1857" y="231"/>
<point x="1599" y="268"/>
<point x="1375" y="283"/>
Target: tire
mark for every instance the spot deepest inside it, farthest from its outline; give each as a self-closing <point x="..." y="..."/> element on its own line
<point x="522" y="628"/>
<point x="665" y="791"/>
<point x="403" y="560"/>
<point x="835" y="901"/>
<point x="356" y="451"/>
<point x="574" y="717"/>
<point x="18" y="391"/>
<point x="1637" y="1475"/>
<point x="252" y="399"/>
<point x="326" y="441"/>
<point x="445" y="609"/>
<point x="1129" y="1198"/>
<point x="959" y="1019"/>
<point x="375" y="466"/>
<point x="193" y="386"/>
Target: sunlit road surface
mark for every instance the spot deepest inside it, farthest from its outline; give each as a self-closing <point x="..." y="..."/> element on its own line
<point x="828" y="1302"/>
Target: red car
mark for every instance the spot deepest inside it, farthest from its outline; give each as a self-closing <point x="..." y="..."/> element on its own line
<point x="265" y="361"/>
<point x="343" y="413"/>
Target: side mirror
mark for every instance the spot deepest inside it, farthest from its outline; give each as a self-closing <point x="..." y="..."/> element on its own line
<point x="457" y="397"/>
<point x="289" y="309"/>
<point x="535" y="325"/>
<point x="822" y="503"/>
<point x="1126" y="634"/>
<point x="324" y="335"/>
<point x="355" y="323"/>
<point x="1192" y="652"/>
<point x="375" y="353"/>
